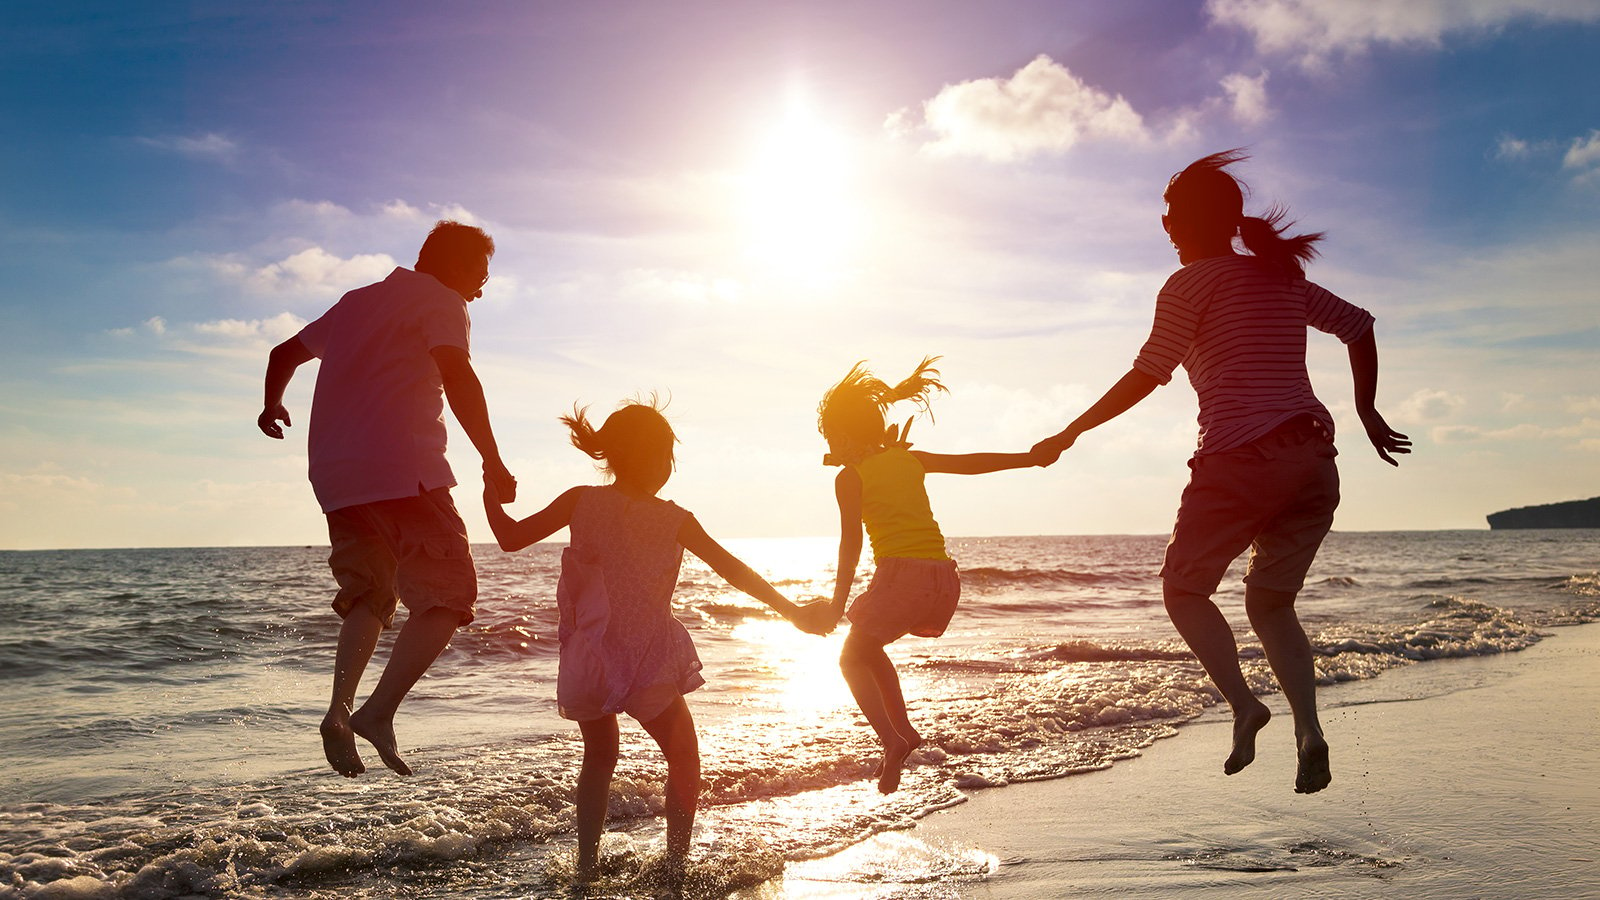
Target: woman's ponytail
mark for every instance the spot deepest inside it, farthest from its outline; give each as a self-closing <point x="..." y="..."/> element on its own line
<point x="1264" y="237"/>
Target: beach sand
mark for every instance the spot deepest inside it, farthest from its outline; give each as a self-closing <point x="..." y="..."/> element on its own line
<point x="1460" y="779"/>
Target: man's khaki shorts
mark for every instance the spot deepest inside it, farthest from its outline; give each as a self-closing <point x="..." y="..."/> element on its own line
<point x="413" y="549"/>
<point x="1275" y="495"/>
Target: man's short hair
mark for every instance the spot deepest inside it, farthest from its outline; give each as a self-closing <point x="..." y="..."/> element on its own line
<point x="451" y="245"/>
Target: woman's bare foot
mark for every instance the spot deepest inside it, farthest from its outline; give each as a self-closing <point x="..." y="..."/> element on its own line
<point x="1245" y="726"/>
<point x="1313" y="773"/>
<point x="894" y="760"/>
<point x="380" y="734"/>
<point x="339" y="744"/>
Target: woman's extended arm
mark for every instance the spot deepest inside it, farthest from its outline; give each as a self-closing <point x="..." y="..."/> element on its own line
<point x="1123" y="396"/>
<point x="1364" y="373"/>
<point x="512" y="534"/>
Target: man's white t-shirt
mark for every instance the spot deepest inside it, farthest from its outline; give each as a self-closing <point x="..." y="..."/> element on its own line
<point x="377" y="418"/>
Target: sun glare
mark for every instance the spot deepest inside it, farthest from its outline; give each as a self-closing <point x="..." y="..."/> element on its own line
<point x="802" y="207"/>
<point x="808" y="668"/>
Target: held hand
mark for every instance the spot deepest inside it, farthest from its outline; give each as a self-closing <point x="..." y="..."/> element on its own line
<point x="498" y="477"/>
<point x="1385" y="439"/>
<point x="1047" y="451"/>
<point x="269" y="419"/>
<point x="816" y="618"/>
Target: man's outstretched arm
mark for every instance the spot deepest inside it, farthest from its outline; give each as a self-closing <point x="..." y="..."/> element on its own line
<point x="281" y="364"/>
<point x="465" y="393"/>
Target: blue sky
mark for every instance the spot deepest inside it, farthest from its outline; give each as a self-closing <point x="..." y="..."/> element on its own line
<point x="731" y="203"/>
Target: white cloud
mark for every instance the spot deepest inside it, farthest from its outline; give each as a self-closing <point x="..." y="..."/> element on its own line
<point x="315" y="270"/>
<point x="208" y="146"/>
<point x="1247" y="97"/>
<point x="1429" y="405"/>
<point x="1317" y="29"/>
<point x="274" y="329"/>
<point x="1043" y="107"/>
<point x="312" y="271"/>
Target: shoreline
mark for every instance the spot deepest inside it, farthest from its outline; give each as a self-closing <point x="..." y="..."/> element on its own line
<point x="1460" y="778"/>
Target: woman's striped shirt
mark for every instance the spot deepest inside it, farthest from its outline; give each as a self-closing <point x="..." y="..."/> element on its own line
<point x="1238" y="327"/>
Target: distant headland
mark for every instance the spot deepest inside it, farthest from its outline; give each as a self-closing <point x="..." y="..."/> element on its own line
<point x="1570" y="514"/>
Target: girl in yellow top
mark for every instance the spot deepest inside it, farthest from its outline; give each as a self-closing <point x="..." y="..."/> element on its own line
<point x="915" y="586"/>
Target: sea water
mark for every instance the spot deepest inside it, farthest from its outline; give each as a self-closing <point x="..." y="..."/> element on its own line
<point x="159" y="732"/>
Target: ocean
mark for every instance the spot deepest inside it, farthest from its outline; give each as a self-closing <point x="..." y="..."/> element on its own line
<point x="159" y="737"/>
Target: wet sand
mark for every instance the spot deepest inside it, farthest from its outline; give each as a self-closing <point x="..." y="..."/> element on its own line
<point x="1459" y="779"/>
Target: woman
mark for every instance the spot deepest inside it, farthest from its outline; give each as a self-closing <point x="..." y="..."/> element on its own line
<point x="1263" y="475"/>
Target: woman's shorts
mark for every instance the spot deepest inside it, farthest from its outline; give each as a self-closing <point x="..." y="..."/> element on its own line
<point x="411" y="549"/>
<point x="907" y="596"/>
<point x="1275" y="495"/>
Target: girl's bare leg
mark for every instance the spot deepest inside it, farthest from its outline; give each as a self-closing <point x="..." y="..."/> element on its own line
<point x="1284" y="640"/>
<point x="594" y="790"/>
<point x="674" y="732"/>
<point x="1208" y="635"/>
<point x="876" y="687"/>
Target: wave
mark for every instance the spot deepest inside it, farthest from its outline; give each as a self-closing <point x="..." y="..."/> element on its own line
<point x="989" y="577"/>
<point x="1089" y="651"/>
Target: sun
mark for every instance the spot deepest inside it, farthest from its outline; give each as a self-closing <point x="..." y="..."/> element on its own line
<point x="802" y="204"/>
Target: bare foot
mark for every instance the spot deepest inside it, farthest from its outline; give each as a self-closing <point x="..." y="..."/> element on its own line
<point x="339" y="744"/>
<point x="380" y="734"/>
<point x="1313" y="774"/>
<point x="894" y="760"/>
<point x="1245" y="726"/>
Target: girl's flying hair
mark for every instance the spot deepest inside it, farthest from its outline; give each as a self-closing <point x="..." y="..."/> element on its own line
<point x="637" y="433"/>
<point x="850" y="416"/>
<point x="1208" y="193"/>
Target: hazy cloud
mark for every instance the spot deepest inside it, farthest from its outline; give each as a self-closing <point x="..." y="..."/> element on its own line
<point x="1583" y="156"/>
<point x="208" y="146"/>
<point x="1512" y="148"/>
<point x="1316" y="29"/>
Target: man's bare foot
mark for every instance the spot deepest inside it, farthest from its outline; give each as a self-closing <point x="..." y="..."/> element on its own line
<point x="894" y="760"/>
<point x="1245" y="726"/>
<point x="339" y="744"/>
<point x="380" y="734"/>
<point x="1313" y="774"/>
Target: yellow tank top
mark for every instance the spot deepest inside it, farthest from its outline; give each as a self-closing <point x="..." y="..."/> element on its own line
<point x="894" y="507"/>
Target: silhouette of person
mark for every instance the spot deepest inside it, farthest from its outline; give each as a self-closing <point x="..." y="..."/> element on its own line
<point x="1263" y="476"/>
<point x="391" y="353"/>
<point x="621" y="648"/>
<point x="915" y="587"/>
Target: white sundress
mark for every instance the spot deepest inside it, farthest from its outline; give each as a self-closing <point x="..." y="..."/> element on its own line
<point x="621" y="648"/>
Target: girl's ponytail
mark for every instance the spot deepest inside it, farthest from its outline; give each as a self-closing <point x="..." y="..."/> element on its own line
<point x="916" y="387"/>
<point x="850" y="416"/>
<point x="584" y="435"/>
<point x="636" y="435"/>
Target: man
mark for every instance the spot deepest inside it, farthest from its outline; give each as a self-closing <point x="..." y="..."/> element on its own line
<point x="391" y="353"/>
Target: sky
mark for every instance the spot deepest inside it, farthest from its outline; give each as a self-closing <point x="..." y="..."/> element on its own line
<point x="728" y="204"/>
